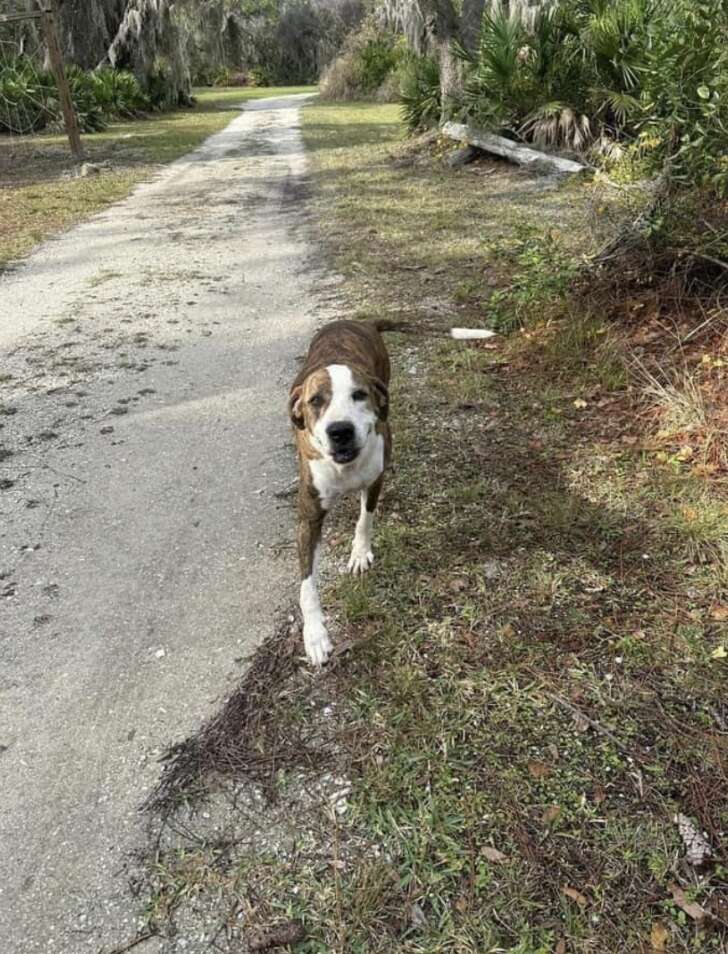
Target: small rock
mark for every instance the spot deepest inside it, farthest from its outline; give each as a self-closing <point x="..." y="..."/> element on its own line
<point x="89" y="169"/>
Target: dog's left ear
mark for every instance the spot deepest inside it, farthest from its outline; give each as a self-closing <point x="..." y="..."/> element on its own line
<point x="381" y="398"/>
<point x="295" y="408"/>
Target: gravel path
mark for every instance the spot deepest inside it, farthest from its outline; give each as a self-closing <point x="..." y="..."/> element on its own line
<point x="143" y="553"/>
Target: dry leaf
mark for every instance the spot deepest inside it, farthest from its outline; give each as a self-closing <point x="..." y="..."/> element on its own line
<point x="492" y="854"/>
<point x="685" y="453"/>
<point x="659" y="936"/>
<point x="560" y="947"/>
<point x="539" y="769"/>
<point x="719" y="653"/>
<point x="691" y="908"/>
<point x="579" y="403"/>
<point x="599" y="794"/>
<point x="575" y="895"/>
<point x="551" y="814"/>
<point x="719" y="612"/>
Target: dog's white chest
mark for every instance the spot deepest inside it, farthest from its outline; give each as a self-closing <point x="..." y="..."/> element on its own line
<point x="333" y="480"/>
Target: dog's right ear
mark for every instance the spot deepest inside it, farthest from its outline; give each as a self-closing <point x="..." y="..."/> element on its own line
<point x="295" y="407"/>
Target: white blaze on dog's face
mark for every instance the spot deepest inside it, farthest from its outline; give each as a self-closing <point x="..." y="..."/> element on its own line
<point x="343" y="428"/>
<point x="339" y="409"/>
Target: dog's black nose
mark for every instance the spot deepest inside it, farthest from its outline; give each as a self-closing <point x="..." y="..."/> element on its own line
<point x="340" y="433"/>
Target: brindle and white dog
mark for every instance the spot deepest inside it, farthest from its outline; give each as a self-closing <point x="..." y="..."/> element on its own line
<point x="338" y="405"/>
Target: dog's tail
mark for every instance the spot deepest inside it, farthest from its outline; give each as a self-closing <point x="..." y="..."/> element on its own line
<point x="459" y="334"/>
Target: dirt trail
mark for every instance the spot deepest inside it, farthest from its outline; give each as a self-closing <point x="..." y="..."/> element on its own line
<point x="142" y="550"/>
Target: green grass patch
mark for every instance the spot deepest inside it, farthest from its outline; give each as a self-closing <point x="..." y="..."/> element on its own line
<point x="540" y="613"/>
<point x="535" y="683"/>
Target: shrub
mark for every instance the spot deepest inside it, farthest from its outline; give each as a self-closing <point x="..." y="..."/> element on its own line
<point x="389" y="90"/>
<point x="29" y="99"/>
<point x="420" y="92"/>
<point x="567" y="78"/>
<point x="685" y="94"/>
<point x="339" y="80"/>
<point x="587" y="74"/>
<point x="368" y="58"/>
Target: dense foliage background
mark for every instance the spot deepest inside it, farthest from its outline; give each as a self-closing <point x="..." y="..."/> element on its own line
<point x="640" y="84"/>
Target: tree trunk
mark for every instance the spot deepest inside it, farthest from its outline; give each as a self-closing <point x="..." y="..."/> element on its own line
<point x="470" y="22"/>
<point x="443" y="30"/>
<point x="450" y="77"/>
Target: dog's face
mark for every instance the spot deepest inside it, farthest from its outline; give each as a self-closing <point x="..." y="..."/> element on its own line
<point x="338" y="407"/>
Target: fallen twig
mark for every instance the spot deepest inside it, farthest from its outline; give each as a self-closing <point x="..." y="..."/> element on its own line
<point x="139" y="939"/>
<point x="593" y="724"/>
<point x="694" y="910"/>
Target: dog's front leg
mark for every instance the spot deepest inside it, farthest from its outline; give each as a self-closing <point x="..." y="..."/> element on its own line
<point x="315" y="638"/>
<point x="361" y="551"/>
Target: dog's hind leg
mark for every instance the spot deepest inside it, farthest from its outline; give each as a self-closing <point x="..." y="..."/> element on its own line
<point x="361" y="551"/>
<point x="315" y="638"/>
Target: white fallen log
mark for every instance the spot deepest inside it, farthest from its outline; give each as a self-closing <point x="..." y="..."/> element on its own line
<point x="513" y="151"/>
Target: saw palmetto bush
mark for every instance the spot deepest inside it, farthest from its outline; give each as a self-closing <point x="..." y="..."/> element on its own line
<point x="566" y="77"/>
<point x="29" y="98"/>
<point x="419" y="92"/>
<point x="651" y="75"/>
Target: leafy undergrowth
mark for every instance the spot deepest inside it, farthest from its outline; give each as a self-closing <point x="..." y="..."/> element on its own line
<point x="531" y="683"/>
<point x="40" y="193"/>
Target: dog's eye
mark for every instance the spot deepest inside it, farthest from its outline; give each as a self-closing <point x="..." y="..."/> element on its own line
<point x="359" y="395"/>
<point x="316" y="401"/>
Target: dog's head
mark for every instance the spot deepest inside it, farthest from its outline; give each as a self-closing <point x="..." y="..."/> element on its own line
<point x="338" y="407"/>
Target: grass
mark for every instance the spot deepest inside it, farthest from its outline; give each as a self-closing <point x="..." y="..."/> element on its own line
<point x="40" y="195"/>
<point x="536" y="680"/>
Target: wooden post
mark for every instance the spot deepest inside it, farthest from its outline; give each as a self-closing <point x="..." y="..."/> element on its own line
<point x="55" y="56"/>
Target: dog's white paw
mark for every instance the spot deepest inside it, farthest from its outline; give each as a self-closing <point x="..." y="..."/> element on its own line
<point x="360" y="561"/>
<point x="317" y="643"/>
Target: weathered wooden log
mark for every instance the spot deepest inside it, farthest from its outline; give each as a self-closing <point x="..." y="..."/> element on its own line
<point x="507" y="149"/>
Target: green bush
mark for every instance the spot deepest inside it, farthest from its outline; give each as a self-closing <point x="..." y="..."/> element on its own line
<point x="368" y="58"/>
<point x="651" y="75"/>
<point x="568" y="78"/>
<point x="684" y="129"/>
<point x="29" y="98"/>
<point x="420" y="92"/>
<point x="377" y="58"/>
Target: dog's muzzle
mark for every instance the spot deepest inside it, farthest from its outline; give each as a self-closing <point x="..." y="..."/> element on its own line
<point x="342" y="440"/>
